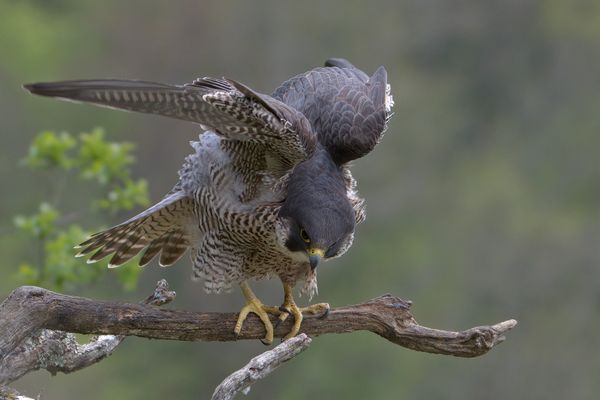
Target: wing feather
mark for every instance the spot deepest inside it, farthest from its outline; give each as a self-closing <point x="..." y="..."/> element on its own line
<point x="347" y="109"/>
<point x="161" y="227"/>
<point x="229" y="108"/>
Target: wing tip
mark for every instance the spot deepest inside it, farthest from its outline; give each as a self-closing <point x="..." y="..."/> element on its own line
<point x="381" y="90"/>
<point x="339" y="62"/>
<point x="380" y="75"/>
<point x="80" y="245"/>
<point x="34" y="88"/>
<point x="49" y="89"/>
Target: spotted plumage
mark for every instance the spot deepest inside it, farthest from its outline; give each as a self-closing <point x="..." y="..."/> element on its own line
<point x="267" y="191"/>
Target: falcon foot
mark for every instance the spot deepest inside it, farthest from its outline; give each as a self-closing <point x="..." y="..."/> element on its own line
<point x="289" y="307"/>
<point x="254" y="305"/>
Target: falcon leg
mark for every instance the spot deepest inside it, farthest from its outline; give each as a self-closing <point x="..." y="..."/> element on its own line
<point x="254" y="305"/>
<point x="289" y="307"/>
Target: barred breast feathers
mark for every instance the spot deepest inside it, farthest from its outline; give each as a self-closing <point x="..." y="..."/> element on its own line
<point x="236" y="170"/>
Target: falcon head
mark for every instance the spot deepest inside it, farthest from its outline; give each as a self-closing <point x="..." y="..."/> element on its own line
<point x="317" y="217"/>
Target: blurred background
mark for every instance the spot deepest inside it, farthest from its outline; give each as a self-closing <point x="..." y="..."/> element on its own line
<point x="483" y="200"/>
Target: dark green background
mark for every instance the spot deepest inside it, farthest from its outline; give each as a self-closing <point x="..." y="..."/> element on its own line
<point x="483" y="199"/>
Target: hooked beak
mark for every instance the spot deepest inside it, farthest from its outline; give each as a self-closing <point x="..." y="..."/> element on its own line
<point x="315" y="256"/>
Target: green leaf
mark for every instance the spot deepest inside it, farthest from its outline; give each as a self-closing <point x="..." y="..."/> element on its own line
<point x="128" y="274"/>
<point x="50" y="150"/>
<point x="102" y="160"/>
<point x="28" y="275"/>
<point x="39" y="225"/>
<point x="61" y="267"/>
<point x="134" y="193"/>
<point x="98" y="159"/>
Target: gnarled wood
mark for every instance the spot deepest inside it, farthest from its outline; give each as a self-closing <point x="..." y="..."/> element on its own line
<point x="58" y="351"/>
<point x="260" y="367"/>
<point x="28" y="309"/>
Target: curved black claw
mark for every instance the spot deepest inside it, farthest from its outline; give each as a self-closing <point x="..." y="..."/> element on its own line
<point x="280" y="319"/>
<point x="325" y="314"/>
<point x="263" y="341"/>
<point x="284" y="310"/>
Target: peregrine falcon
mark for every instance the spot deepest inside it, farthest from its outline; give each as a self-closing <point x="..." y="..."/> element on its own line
<point x="267" y="190"/>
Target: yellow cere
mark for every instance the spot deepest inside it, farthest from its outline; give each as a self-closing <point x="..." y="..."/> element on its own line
<point x="313" y="251"/>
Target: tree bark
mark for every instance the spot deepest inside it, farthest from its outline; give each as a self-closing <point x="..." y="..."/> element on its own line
<point x="260" y="367"/>
<point x="59" y="351"/>
<point x="28" y="309"/>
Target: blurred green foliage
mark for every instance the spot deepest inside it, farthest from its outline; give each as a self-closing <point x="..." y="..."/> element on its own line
<point x="90" y="156"/>
<point x="483" y="200"/>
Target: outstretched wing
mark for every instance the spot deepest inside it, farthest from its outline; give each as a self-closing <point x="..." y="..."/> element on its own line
<point x="347" y="109"/>
<point x="162" y="228"/>
<point x="224" y="106"/>
<point x="258" y="127"/>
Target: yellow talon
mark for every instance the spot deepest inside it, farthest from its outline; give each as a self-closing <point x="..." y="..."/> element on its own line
<point x="289" y="307"/>
<point x="254" y="305"/>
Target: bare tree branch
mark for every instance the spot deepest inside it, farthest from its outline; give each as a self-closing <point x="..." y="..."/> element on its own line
<point x="58" y="351"/>
<point x="7" y="393"/>
<point x="260" y="366"/>
<point x="28" y="309"/>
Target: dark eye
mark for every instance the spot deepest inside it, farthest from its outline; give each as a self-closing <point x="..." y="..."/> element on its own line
<point x="304" y="236"/>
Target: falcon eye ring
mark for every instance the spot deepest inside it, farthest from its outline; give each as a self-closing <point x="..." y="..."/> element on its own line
<point x="304" y="236"/>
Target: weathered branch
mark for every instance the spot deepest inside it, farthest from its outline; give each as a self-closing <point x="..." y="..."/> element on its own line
<point x="7" y="393"/>
<point x="260" y="366"/>
<point x="28" y="309"/>
<point x="33" y="322"/>
<point x="58" y="351"/>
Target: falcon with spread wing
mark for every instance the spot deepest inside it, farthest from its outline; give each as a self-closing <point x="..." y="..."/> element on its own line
<point x="266" y="192"/>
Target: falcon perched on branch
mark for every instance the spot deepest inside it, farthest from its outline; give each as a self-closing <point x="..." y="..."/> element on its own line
<point x="267" y="191"/>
